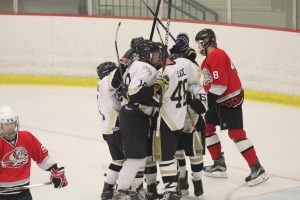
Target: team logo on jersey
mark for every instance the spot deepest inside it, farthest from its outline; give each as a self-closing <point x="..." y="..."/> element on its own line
<point x="16" y="158"/>
<point x="148" y="70"/>
<point x="207" y="77"/>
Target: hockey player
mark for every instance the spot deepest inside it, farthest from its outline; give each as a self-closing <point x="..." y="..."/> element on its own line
<point x="135" y="114"/>
<point x="109" y="106"/>
<point x="110" y="94"/>
<point x="17" y="149"/>
<point x="225" y="98"/>
<point x="191" y="141"/>
<point x="183" y="77"/>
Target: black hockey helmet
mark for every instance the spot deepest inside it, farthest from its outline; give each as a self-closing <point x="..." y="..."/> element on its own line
<point x="207" y="36"/>
<point x="105" y="68"/>
<point x="151" y="52"/>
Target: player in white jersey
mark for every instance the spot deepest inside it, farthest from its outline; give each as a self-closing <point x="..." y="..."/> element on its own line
<point x="135" y="113"/>
<point x="191" y="141"/>
<point x="182" y="77"/>
<point x="109" y="107"/>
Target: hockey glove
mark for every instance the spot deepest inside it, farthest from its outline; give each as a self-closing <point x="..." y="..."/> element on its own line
<point x="196" y="104"/>
<point x="191" y="54"/>
<point x="211" y="99"/>
<point x="181" y="44"/>
<point x="121" y="92"/>
<point x="58" y="177"/>
<point x="161" y="83"/>
<point x="135" y="42"/>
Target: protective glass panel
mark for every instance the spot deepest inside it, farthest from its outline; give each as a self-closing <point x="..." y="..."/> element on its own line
<point x="271" y="13"/>
<point x="6" y="5"/>
<point x="213" y="10"/>
<point x="53" y="6"/>
<point x="298" y="14"/>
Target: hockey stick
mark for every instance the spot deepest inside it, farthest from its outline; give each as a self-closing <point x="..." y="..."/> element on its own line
<point x="117" y="51"/>
<point x="160" y="37"/>
<point x="155" y="19"/>
<point x="157" y="156"/>
<point x="197" y="136"/>
<point x="26" y="187"/>
<point x="158" y="20"/>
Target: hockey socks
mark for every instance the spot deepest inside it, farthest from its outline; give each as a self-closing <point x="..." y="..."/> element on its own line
<point x="128" y="172"/>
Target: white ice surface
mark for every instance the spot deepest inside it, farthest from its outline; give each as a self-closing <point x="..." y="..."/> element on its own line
<point x="66" y="121"/>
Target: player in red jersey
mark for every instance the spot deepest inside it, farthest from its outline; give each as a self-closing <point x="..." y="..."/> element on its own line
<point x="17" y="148"/>
<point x="225" y="98"/>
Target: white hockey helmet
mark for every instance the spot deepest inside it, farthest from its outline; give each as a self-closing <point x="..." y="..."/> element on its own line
<point x="9" y="123"/>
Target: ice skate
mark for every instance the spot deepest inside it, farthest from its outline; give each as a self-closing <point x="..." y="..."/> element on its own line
<point x="257" y="175"/>
<point x="198" y="188"/>
<point x="107" y="192"/>
<point x="183" y="184"/>
<point x="218" y="169"/>
<point x="141" y="192"/>
<point x="125" y="195"/>
<point x="152" y="193"/>
<point x="171" y="195"/>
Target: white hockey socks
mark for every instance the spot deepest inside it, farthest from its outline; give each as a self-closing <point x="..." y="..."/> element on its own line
<point x="129" y="171"/>
<point x="113" y="171"/>
<point x="150" y="171"/>
<point x="168" y="171"/>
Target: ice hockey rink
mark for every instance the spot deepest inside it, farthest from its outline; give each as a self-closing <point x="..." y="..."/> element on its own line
<point x="66" y="121"/>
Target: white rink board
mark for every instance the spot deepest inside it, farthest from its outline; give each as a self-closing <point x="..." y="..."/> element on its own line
<point x="267" y="60"/>
<point x="66" y="121"/>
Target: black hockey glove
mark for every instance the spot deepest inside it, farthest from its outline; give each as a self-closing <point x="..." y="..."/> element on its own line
<point x="121" y="92"/>
<point x="191" y="54"/>
<point x="196" y="104"/>
<point x="211" y="99"/>
<point x="181" y="44"/>
<point x="136" y="41"/>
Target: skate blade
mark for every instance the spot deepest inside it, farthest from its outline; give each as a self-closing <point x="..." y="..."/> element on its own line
<point x="199" y="197"/>
<point x="260" y="179"/>
<point x="184" y="192"/>
<point x="216" y="174"/>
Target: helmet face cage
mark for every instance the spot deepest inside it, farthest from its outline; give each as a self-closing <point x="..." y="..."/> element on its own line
<point x="9" y="123"/>
<point x="151" y="52"/>
<point x="105" y="68"/>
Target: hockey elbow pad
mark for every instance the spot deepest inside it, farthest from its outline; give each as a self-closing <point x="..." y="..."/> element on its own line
<point x="117" y="79"/>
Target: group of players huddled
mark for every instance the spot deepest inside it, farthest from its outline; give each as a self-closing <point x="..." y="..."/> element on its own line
<point x="156" y="109"/>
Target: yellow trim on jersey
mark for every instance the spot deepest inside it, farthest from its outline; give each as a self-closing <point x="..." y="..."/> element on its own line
<point x="112" y="121"/>
<point x="255" y="95"/>
<point x="168" y="120"/>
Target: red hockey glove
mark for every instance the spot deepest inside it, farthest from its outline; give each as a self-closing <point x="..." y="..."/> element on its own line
<point x="58" y="177"/>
